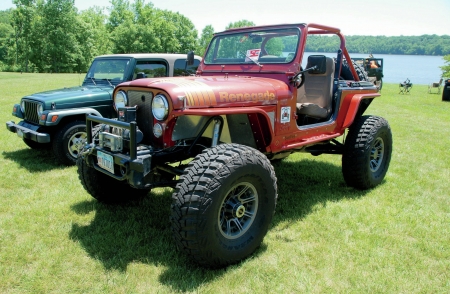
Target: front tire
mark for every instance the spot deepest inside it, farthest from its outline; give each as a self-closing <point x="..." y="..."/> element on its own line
<point x="223" y="205"/>
<point x="367" y="153"/>
<point x="104" y="188"/>
<point x="68" y="141"/>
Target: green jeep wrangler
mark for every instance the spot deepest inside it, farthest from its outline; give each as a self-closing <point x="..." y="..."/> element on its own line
<point x="56" y="119"/>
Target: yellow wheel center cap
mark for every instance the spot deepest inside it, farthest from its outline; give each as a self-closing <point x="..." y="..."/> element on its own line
<point x="240" y="211"/>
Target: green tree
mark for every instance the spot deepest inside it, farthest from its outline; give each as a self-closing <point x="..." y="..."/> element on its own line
<point x="446" y="67"/>
<point x="207" y="35"/>
<point x="92" y="35"/>
<point x="60" y="25"/>
<point x="120" y="11"/>
<point x="240" y="24"/>
<point x="22" y="20"/>
<point x="6" y="34"/>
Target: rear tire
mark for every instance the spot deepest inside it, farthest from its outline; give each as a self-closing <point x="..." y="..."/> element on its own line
<point x="223" y="205"/>
<point x="367" y="153"/>
<point x="104" y="188"/>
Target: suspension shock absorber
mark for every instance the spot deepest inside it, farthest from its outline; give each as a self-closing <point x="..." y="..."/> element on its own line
<point x="216" y="132"/>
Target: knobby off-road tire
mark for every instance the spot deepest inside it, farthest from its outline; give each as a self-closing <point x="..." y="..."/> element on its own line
<point x="68" y="142"/>
<point x="367" y="153"/>
<point x="104" y="188"/>
<point x="223" y="205"/>
<point x="35" y="145"/>
<point x="346" y="73"/>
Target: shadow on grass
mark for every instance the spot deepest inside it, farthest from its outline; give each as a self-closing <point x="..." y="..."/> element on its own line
<point x="33" y="160"/>
<point x="140" y="232"/>
<point x="304" y="184"/>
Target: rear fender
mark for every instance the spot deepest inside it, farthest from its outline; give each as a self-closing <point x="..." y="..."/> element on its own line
<point x="353" y="106"/>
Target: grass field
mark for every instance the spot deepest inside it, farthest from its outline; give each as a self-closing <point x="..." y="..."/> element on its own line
<point x="325" y="237"/>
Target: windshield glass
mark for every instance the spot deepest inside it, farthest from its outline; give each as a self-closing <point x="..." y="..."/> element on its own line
<point x="260" y="47"/>
<point x="106" y="71"/>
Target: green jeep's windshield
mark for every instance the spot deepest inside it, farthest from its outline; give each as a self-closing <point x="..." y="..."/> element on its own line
<point x="107" y="71"/>
<point x="260" y="47"/>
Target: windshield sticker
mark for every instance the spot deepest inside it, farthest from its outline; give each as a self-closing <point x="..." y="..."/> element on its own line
<point x="252" y="54"/>
<point x="285" y="114"/>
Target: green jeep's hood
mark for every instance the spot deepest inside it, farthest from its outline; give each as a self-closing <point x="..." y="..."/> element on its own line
<point x="75" y="97"/>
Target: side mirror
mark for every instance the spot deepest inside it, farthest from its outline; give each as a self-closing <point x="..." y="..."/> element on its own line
<point x="317" y="64"/>
<point x="190" y="58"/>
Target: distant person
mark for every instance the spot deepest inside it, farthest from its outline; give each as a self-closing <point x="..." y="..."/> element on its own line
<point x="374" y="64"/>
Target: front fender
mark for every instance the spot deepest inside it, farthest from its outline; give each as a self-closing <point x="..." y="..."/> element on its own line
<point x="259" y="121"/>
<point x="53" y="118"/>
<point x="17" y="111"/>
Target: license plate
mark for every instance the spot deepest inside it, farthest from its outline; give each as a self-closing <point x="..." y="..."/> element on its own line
<point x="19" y="133"/>
<point x="105" y="161"/>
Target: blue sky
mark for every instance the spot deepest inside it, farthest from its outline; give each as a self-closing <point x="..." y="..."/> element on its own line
<point x="353" y="17"/>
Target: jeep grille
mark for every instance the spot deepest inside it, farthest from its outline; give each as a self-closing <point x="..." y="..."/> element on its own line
<point x="31" y="111"/>
<point x="143" y="101"/>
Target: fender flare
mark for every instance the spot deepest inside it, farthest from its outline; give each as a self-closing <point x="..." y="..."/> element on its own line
<point x="262" y="126"/>
<point x="350" y="107"/>
<point x="55" y="117"/>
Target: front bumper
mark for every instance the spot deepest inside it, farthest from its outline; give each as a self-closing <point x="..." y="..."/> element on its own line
<point x="28" y="131"/>
<point x="132" y="167"/>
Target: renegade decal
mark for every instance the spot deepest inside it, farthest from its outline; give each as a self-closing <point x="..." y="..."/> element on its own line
<point x="197" y="93"/>
<point x="285" y="114"/>
<point x="244" y="97"/>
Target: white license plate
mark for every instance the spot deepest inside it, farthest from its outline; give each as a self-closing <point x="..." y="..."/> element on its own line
<point x="19" y="133"/>
<point x="105" y="161"/>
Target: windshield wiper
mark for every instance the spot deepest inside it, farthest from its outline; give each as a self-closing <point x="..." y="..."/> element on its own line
<point x="108" y="80"/>
<point x="93" y="80"/>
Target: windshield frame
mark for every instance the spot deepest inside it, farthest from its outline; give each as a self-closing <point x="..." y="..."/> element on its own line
<point x="108" y="78"/>
<point x="268" y="45"/>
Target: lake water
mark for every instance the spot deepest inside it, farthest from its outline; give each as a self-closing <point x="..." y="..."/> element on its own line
<point x="420" y="69"/>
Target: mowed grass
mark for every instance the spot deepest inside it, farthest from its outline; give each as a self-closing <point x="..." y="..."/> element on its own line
<point x="325" y="236"/>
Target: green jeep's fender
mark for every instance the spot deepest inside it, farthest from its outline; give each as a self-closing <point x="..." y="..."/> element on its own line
<point x="53" y="118"/>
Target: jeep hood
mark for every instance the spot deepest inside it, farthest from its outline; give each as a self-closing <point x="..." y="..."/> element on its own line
<point x="218" y="91"/>
<point x="81" y="96"/>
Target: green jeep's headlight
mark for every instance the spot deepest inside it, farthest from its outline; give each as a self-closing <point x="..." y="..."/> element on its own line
<point x="160" y="107"/>
<point x="120" y="99"/>
<point x="22" y="106"/>
<point x="40" y="109"/>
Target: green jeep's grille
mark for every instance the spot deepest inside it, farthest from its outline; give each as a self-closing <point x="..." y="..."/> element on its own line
<point x="143" y="101"/>
<point x="31" y="111"/>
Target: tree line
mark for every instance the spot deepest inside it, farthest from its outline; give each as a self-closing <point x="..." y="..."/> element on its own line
<point x="53" y="36"/>
<point x="400" y="45"/>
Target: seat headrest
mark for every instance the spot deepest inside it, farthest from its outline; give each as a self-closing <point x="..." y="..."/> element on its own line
<point x="319" y="62"/>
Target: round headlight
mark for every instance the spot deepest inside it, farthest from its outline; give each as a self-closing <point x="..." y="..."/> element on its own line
<point x="22" y="106"/>
<point x="40" y="109"/>
<point x="120" y="99"/>
<point x="160" y="107"/>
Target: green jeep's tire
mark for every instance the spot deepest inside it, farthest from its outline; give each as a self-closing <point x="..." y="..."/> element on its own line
<point x="367" y="152"/>
<point x="104" y="188"/>
<point x="223" y="204"/>
<point x="68" y="141"/>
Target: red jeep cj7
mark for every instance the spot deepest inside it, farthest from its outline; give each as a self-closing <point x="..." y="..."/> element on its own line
<point x="211" y="136"/>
